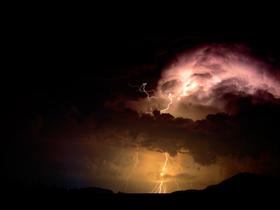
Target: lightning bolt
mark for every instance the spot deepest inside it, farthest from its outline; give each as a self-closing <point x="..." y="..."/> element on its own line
<point x="142" y="89"/>
<point x="170" y="97"/>
<point x="160" y="187"/>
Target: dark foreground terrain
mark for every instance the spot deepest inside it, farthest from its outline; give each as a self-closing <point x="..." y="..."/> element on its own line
<point x="241" y="191"/>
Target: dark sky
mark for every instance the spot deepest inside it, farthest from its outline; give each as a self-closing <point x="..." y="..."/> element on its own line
<point x="63" y="72"/>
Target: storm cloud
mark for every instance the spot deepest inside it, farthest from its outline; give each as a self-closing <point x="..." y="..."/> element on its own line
<point x="197" y="82"/>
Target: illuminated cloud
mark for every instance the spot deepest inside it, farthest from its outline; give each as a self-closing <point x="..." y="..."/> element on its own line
<point x="199" y="82"/>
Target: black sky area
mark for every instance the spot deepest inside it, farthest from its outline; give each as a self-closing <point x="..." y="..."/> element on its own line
<point x="60" y="65"/>
<point x="54" y="62"/>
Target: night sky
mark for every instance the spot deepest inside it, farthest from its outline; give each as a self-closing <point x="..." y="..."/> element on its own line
<point x="78" y="114"/>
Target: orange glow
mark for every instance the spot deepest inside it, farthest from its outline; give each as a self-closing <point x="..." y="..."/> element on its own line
<point x="140" y="170"/>
<point x="160" y="187"/>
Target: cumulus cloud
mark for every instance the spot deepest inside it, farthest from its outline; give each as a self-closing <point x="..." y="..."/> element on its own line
<point x="196" y="82"/>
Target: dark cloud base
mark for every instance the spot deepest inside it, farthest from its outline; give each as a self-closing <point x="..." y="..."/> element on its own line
<point x="34" y="154"/>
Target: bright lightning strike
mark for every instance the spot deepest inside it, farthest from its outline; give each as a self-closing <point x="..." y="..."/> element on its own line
<point x="170" y="97"/>
<point x="142" y="89"/>
<point x="160" y="187"/>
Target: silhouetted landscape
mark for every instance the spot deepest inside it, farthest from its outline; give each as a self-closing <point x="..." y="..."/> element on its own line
<point x="243" y="188"/>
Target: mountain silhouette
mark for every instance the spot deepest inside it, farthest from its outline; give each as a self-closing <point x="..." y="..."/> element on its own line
<point x="239" y="191"/>
<point x="246" y="183"/>
<point x="242" y="183"/>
